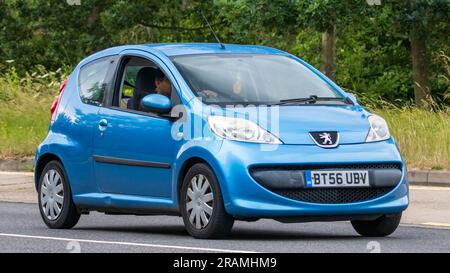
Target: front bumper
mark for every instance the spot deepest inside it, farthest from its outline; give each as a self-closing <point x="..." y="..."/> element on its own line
<point x="246" y="198"/>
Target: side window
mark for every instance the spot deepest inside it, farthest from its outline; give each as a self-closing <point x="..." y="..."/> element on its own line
<point x="92" y="81"/>
<point x="139" y="77"/>
<point x="128" y="86"/>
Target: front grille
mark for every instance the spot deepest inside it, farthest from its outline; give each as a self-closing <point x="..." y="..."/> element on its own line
<point x="328" y="195"/>
<point x="334" y="196"/>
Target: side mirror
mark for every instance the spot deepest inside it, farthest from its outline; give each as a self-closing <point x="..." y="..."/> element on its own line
<point x="156" y="103"/>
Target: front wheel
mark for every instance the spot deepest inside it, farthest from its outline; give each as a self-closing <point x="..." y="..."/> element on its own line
<point x="55" y="198"/>
<point x="202" y="205"/>
<point x="381" y="227"/>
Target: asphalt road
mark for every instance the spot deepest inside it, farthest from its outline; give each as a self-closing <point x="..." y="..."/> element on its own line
<point x="22" y="230"/>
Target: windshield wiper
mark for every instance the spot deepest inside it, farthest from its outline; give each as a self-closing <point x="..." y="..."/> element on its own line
<point x="311" y="100"/>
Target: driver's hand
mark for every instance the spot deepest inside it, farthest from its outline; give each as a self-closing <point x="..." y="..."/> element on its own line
<point x="208" y="94"/>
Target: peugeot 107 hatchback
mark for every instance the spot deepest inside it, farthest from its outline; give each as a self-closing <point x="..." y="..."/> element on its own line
<point x="216" y="134"/>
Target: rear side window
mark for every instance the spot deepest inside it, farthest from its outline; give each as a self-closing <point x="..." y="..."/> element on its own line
<point x="92" y="81"/>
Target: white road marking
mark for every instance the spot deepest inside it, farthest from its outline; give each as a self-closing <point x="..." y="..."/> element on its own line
<point x="17" y="173"/>
<point x="427" y="226"/>
<point x="429" y="188"/>
<point x="434" y="224"/>
<point x="124" y="243"/>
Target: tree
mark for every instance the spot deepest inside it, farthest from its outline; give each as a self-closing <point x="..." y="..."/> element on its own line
<point x="417" y="19"/>
<point x="368" y="49"/>
<point x="326" y="16"/>
<point x="263" y="22"/>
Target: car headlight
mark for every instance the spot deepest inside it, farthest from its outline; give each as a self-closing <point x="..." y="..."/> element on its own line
<point x="240" y="130"/>
<point x="379" y="129"/>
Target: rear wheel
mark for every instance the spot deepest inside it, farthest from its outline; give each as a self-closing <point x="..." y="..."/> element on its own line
<point x="380" y="227"/>
<point x="55" y="198"/>
<point x="202" y="205"/>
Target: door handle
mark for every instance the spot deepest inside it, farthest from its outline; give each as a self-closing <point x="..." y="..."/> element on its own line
<point x="102" y="124"/>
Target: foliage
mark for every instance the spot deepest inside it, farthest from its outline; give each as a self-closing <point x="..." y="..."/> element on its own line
<point x="323" y="14"/>
<point x="423" y="136"/>
<point x="373" y="49"/>
<point x="25" y="110"/>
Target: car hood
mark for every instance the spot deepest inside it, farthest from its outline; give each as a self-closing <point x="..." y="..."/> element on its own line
<point x="292" y="124"/>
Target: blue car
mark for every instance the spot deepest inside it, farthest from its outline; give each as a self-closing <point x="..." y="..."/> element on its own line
<point x="213" y="134"/>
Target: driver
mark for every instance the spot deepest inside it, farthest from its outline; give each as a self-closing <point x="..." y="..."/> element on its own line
<point x="236" y="87"/>
<point x="162" y="83"/>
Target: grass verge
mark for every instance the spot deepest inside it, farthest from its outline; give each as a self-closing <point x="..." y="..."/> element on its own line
<point x="25" y="111"/>
<point x="422" y="135"/>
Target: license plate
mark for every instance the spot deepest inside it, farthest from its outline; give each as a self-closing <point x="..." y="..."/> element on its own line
<point x="337" y="179"/>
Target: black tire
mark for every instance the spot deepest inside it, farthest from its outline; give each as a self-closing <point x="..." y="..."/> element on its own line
<point x="381" y="227"/>
<point x="69" y="214"/>
<point x="220" y="222"/>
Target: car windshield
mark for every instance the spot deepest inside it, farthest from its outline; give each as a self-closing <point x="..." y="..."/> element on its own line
<point x="256" y="79"/>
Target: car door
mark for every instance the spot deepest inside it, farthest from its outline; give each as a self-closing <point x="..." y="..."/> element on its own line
<point x="85" y="95"/>
<point x="134" y="151"/>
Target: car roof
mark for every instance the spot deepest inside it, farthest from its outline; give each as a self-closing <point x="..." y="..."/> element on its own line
<point x="180" y="49"/>
<point x="177" y="49"/>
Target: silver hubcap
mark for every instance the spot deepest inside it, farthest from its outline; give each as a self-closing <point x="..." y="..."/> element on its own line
<point x="52" y="194"/>
<point x="199" y="201"/>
